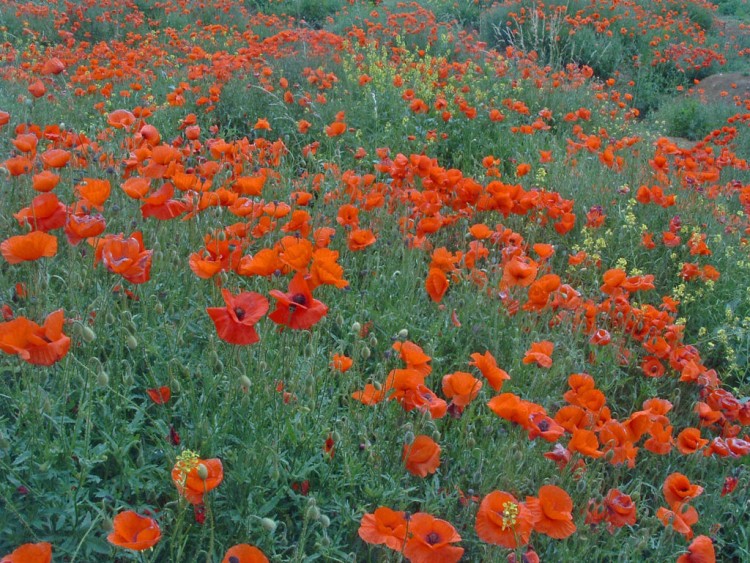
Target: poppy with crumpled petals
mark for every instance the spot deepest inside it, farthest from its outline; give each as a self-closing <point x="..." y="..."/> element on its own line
<point x="297" y="309"/>
<point x="235" y="322"/>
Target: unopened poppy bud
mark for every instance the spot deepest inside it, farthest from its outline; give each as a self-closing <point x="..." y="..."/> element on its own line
<point x="110" y="319"/>
<point x="131" y="342"/>
<point x="409" y="437"/>
<point x="268" y="525"/>
<point x="102" y="378"/>
<point x="325" y="521"/>
<point x="339" y="320"/>
<point x="312" y="513"/>
<point x="366" y="352"/>
<point x="159" y="308"/>
<point x="87" y="334"/>
<point x="245" y="383"/>
<point x="356" y="327"/>
<point x="202" y="471"/>
<point x="436" y="435"/>
<point x="373" y="341"/>
<point x="263" y="366"/>
<point x="403" y="334"/>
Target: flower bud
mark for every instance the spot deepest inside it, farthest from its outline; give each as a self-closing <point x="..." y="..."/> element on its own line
<point x="268" y="525"/>
<point x="202" y="471"/>
<point x="312" y="513"/>
<point x="87" y="334"/>
<point x="356" y="327"/>
<point x="131" y="342"/>
<point x="245" y="383"/>
<point x="102" y="378"/>
<point x="325" y="521"/>
<point x="403" y="334"/>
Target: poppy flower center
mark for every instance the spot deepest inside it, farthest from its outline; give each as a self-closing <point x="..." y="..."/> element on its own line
<point x="299" y="299"/>
<point x="233" y="559"/>
<point x="543" y="426"/>
<point x="240" y="312"/>
<point x="432" y="538"/>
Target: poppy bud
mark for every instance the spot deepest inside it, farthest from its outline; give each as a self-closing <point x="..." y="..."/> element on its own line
<point x="325" y="521"/>
<point x="110" y="319"/>
<point x="102" y="378"/>
<point x="373" y="341"/>
<point x="365" y="352"/>
<point x="356" y="327"/>
<point x="403" y="334"/>
<point x="202" y="471"/>
<point x="159" y="308"/>
<point x="263" y="366"/>
<point x="312" y="513"/>
<point x="268" y="525"/>
<point x="131" y="342"/>
<point x="87" y="334"/>
<point x="436" y="435"/>
<point x="339" y="320"/>
<point x="409" y="437"/>
<point x="245" y="383"/>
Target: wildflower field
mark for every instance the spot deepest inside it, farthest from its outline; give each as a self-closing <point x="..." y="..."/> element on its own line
<point x="329" y="280"/>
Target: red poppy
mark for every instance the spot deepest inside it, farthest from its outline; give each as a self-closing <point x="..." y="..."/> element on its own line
<point x="540" y="354"/>
<point x="384" y="526"/>
<point x="502" y="520"/>
<point x="461" y="387"/>
<point x="45" y="213"/>
<point x="681" y="517"/>
<point x="125" y="256"/>
<point x="487" y="364"/>
<point x="28" y="247"/>
<point x="39" y="345"/>
<point x="296" y="308"/>
<point x="194" y="477"/>
<point x="553" y="512"/>
<point x="341" y="363"/>
<point x="700" y="550"/>
<point x="422" y="456"/>
<point x="30" y="553"/>
<point x="678" y="488"/>
<point x="430" y="540"/>
<point x="133" y="531"/>
<point x="160" y="395"/>
<point x="244" y="553"/>
<point x="235" y="322"/>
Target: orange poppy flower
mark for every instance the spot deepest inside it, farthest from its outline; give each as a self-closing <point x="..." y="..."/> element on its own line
<point x="160" y="395"/>
<point x="422" y="456"/>
<point x="194" y="476"/>
<point x="414" y="357"/>
<point x="4" y="118"/>
<point x="545" y="427"/>
<point x="700" y="550"/>
<point x="28" y="247"/>
<point x="540" y="354"/>
<point x="55" y="158"/>
<point x="553" y="510"/>
<point x="461" y="387"/>
<point x="689" y="441"/>
<point x="359" y="239"/>
<point x="425" y="400"/>
<point x="45" y="181"/>
<point x="235" y="322"/>
<point x="37" y="89"/>
<point x="436" y="284"/>
<point x="620" y="509"/>
<point x="681" y="517"/>
<point x="341" y="363"/>
<point x="325" y="270"/>
<point x="502" y="520"/>
<point x="297" y="309"/>
<point x="133" y="531"/>
<point x="30" y="553"/>
<point x="120" y="119"/>
<point x="384" y="526"/>
<point x="370" y="395"/>
<point x="81" y="226"/>
<point x="39" y="345"/>
<point x="244" y="553"/>
<point x="45" y="213"/>
<point x="678" y="488"/>
<point x="335" y="129"/>
<point x="126" y="256"/>
<point x="487" y="364"/>
<point x="519" y="272"/>
<point x="430" y="540"/>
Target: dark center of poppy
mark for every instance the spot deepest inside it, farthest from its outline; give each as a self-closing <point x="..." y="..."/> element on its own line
<point x="543" y="426"/>
<point x="433" y="538"/>
<point x="299" y="299"/>
<point x="234" y="559"/>
<point x="240" y="312"/>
